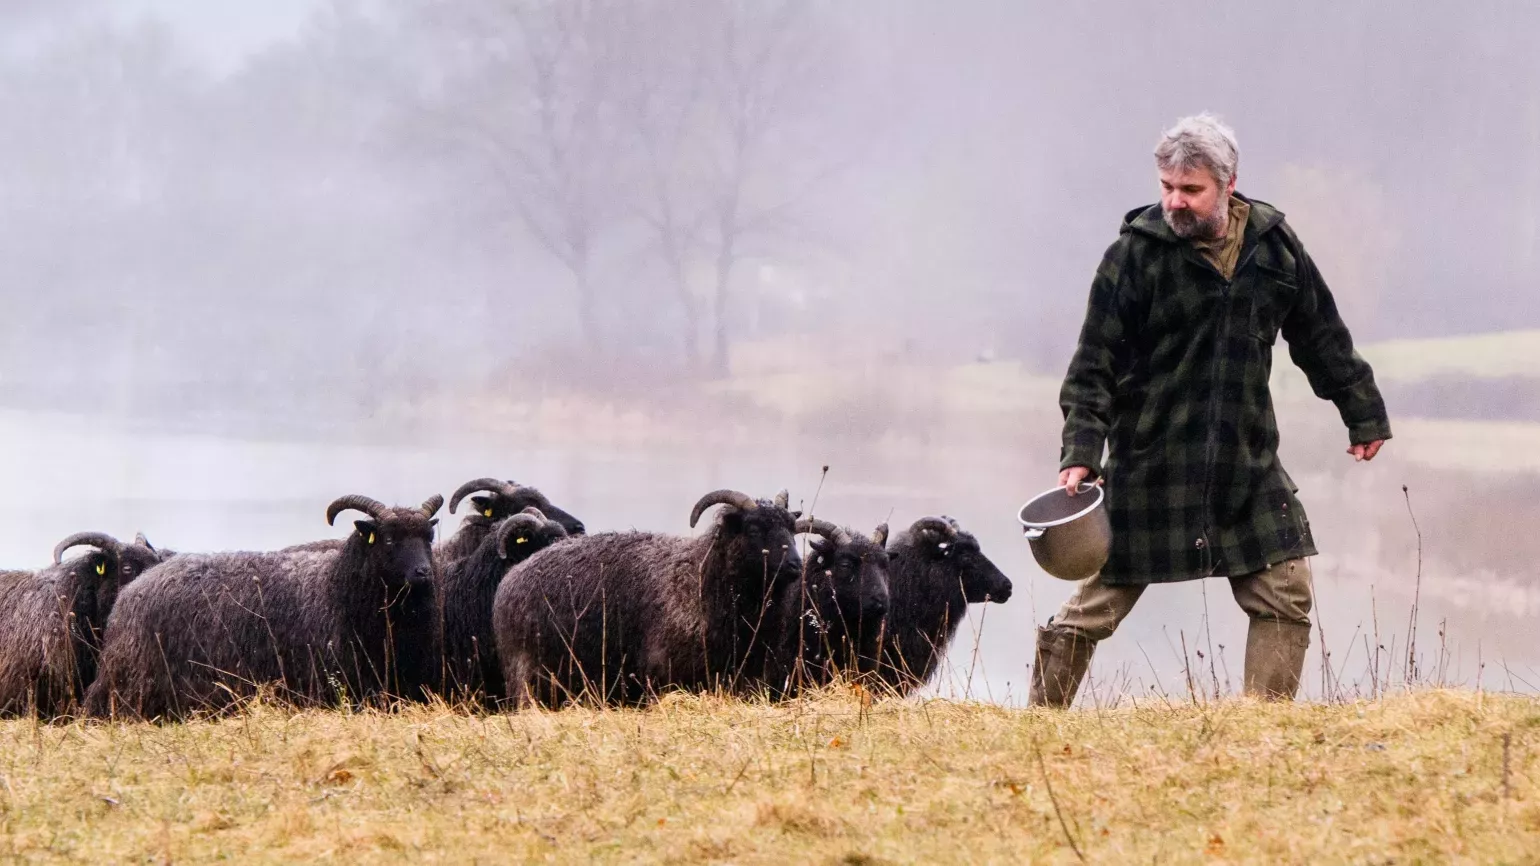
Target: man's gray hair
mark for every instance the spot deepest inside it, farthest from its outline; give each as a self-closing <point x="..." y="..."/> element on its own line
<point x="1199" y="141"/>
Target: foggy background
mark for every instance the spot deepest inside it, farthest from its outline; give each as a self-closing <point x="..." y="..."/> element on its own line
<point x="256" y="256"/>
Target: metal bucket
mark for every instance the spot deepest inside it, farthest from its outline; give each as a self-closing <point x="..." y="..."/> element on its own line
<point x="1070" y="536"/>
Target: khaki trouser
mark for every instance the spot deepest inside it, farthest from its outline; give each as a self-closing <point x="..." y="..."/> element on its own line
<point x="1280" y="593"/>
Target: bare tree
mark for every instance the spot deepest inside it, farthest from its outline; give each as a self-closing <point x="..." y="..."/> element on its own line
<point x="718" y="97"/>
<point x="763" y="78"/>
<point x="663" y="107"/>
<point x="528" y="110"/>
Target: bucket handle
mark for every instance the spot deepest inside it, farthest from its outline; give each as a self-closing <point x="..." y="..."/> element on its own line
<point x="1033" y="533"/>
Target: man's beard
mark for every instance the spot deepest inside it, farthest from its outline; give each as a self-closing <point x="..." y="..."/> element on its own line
<point x="1188" y="224"/>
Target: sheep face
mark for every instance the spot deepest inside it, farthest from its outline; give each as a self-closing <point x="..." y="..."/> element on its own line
<point x="767" y="532"/>
<point x="137" y="558"/>
<point x="851" y="581"/>
<point x="99" y="573"/>
<point x="105" y="568"/>
<point x="981" y="580"/>
<point x="400" y="548"/>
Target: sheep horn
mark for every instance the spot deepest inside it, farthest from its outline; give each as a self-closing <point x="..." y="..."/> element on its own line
<point x="519" y="521"/>
<point x="935" y="524"/>
<point x="372" y="507"/>
<point x="822" y="528"/>
<point x="530" y="509"/>
<point x="880" y="535"/>
<point x="141" y="541"/>
<point x="740" y="501"/>
<point x="506" y="488"/>
<point x="783" y="499"/>
<point x="85" y="539"/>
<point x="434" y="503"/>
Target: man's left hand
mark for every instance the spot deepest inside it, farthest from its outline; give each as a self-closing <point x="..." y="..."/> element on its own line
<point x="1365" y="451"/>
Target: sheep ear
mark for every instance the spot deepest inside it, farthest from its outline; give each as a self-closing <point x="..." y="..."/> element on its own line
<point x="367" y="529"/>
<point x="483" y="505"/>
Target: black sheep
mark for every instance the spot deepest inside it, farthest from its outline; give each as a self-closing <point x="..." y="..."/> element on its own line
<point x="506" y="499"/>
<point x="827" y="621"/>
<point x="466" y="591"/>
<point x="51" y="621"/>
<point x="347" y="623"/>
<point x="617" y="617"/>
<point x="935" y="570"/>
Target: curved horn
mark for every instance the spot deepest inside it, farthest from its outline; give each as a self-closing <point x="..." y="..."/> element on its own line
<point x="822" y="528"/>
<point x="372" y="507"/>
<point x="516" y="523"/>
<point x="783" y="499"/>
<point x="880" y="535"/>
<point x="530" y="509"/>
<point x="99" y="540"/>
<point x="935" y="524"/>
<point x="434" y="503"/>
<point x="740" y="501"/>
<point x="491" y="484"/>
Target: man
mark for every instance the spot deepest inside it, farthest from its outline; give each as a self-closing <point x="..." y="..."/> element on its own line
<point x="1171" y="375"/>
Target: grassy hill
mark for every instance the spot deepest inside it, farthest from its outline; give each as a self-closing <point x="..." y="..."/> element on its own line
<point x="1419" y="777"/>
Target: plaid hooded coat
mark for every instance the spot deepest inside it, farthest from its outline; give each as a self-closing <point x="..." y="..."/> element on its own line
<point x="1171" y="375"/>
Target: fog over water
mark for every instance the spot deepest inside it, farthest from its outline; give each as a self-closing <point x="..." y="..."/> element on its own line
<point x="257" y="256"/>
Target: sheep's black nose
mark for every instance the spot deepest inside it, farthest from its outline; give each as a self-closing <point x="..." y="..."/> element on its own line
<point x="579" y="529"/>
<point x="874" y="609"/>
<point x="421" y="572"/>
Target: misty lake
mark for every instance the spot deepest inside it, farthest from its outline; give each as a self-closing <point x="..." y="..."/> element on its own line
<point x="196" y="492"/>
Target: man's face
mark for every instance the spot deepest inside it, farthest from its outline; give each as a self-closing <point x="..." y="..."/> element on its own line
<point x="1193" y="202"/>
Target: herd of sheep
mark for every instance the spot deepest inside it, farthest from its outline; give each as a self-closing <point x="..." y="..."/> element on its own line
<point x="520" y="606"/>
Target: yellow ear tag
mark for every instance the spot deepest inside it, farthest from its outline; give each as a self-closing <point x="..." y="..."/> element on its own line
<point x="488" y="512"/>
<point x="101" y="568"/>
<point x="371" y="538"/>
<point x="521" y="541"/>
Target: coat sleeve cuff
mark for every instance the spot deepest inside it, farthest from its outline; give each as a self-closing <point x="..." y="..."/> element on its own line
<point x="1363" y="412"/>
<point x="1082" y="455"/>
<point x="1364" y="432"/>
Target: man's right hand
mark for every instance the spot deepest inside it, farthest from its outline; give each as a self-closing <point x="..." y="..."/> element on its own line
<point x="1073" y="477"/>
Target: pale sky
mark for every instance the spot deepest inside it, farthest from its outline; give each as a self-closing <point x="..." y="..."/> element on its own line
<point x="224" y="32"/>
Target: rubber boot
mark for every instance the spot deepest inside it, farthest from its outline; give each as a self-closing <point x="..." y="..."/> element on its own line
<point x="1275" y="658"/>
<point x="1063" y="657"/>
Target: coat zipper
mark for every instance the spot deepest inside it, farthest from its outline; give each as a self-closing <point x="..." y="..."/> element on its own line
<point x="1211" y="445"/>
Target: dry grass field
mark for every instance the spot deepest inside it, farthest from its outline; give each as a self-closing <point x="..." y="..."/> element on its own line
<point x="1419" y="777"/>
